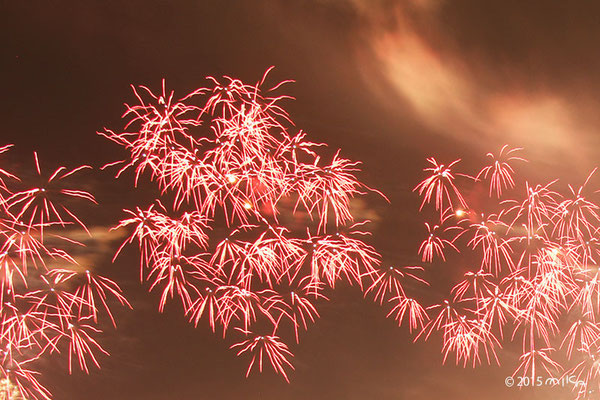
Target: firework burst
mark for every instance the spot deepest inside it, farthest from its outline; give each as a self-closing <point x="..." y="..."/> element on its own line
<point x="46" y="310"/>
<point x="254" y="223"/>
<point x="535" y="280"/>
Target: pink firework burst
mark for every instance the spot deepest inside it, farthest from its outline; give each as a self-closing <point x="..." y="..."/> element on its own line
<point x="535" y="275"/>
<point x="46" y="310"/>
<point x="254" y="222"/>
<point x="500" y="172"/>
<point x="440" y="187"/>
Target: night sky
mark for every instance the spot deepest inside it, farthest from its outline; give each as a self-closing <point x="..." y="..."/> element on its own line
<point x="388" y="82"/>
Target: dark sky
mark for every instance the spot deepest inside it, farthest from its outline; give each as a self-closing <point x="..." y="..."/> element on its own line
<point x="388" y="82"/>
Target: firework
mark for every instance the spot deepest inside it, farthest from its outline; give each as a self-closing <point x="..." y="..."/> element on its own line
<point x="535" y="252"/>
<point x="254" y="223"/>
<point x="45" y="309"/>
